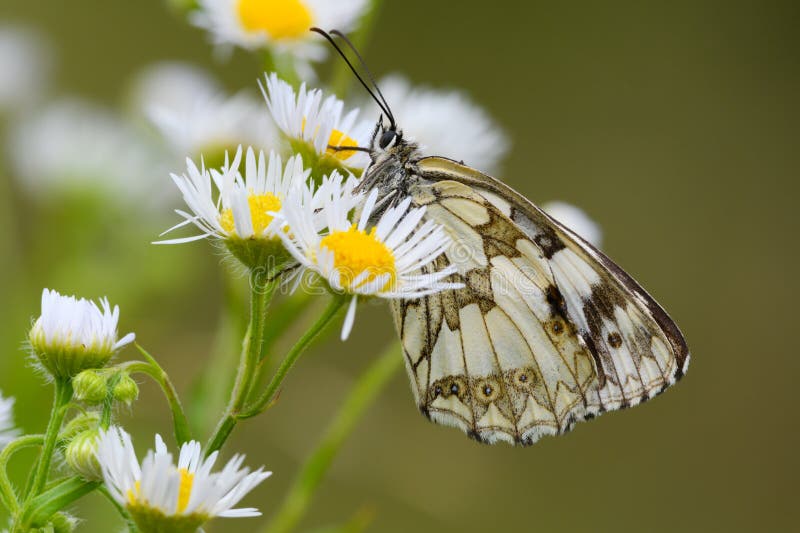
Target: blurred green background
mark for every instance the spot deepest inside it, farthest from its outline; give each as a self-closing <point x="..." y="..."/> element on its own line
<point x="673" y="124"/>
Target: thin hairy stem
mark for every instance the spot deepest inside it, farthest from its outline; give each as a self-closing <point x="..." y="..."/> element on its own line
<point x="266" y="398"/>
<point x="62" y="396"/>
<point x="151" y="368"/>
<point x="260" y="295"/>
<point x="6" y="488"/>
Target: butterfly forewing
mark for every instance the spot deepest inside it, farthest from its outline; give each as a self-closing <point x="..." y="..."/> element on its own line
<point x="547" y="330"/>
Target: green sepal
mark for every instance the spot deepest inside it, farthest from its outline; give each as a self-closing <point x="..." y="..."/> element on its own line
<point x="265" y="255"/>
<point x="151" y="520"/>
<point x="64" y="361"/>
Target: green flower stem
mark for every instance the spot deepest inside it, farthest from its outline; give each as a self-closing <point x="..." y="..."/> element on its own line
<point x="342" y="77"/>
<point x="151" y="368"/>
<point x="209" y="392"/>
<point x="260" y="296"/>
<point x="62" y="397"/>
<point x="361" y="396"/>
<point x="266" y="398"/>
<point x="38" y="511"/>
<point x="7" y="493"/>
<point x="285" y="316"/>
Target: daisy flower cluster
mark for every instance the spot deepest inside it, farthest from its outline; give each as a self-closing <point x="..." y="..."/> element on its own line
<point x="276" y="214"/>
<point x="306" y="216"/>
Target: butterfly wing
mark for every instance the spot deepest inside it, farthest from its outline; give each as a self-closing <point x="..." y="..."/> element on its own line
<point x="547" y="330"/>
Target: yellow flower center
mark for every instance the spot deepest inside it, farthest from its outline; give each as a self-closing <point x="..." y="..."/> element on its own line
<point x="281" y="19"/>
<point x="134" y="493"/>
<point x="185" y="489"/>
<point x="260" y="205"/>
<point x="355" y="252"/>
<point x="339" y="140"/>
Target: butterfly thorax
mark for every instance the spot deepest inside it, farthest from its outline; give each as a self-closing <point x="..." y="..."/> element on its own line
<point x="391" y="168"/>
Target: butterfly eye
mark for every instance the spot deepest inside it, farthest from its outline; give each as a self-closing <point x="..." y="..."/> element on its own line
<point x="387" y="138"/>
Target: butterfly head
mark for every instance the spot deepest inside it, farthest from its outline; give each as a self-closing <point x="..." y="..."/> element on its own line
<point x="386" y="138"/>
<point x="388" y="143"/>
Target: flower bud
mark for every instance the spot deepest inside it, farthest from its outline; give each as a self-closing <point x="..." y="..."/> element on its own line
<point x="63" y="523"/>
<point x="79" y="424"/>
<point x="90" y="386"/>
<point x="81" y="455"/>
<point x="58" y="523"/>
<point x="73" y="334"/>
<point x="126" y="390"/>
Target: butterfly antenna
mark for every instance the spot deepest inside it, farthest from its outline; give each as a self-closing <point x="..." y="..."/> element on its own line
<point x="368" y="72"/>
<point x="380" y="101"/>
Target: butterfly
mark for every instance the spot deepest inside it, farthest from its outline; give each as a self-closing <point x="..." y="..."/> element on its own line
<point x="547" y="330"/>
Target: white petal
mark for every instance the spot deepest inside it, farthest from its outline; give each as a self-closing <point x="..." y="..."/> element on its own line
<point x="349" y="319"/>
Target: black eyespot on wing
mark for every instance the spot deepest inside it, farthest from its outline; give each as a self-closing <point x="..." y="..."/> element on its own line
<point x="614" y="339"/>
<point x="487" y="390"/>
<point x="449" y="386"/>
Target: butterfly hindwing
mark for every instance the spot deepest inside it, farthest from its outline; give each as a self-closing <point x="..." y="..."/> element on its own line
<point x="547" y="330"/>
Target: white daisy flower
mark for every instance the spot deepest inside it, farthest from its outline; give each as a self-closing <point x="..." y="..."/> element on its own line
<point x="7" y="429"/>
<point x="226" y="205"/>
<point x="238" y="210"/>
<point x="74" y="334"/>
<point x="575" y="219"/>
<point x="170" y="85"/>
<point x="74" y="145"/>
<point x="446" y="123"/>
<point x="384" y="260"/>
<point x="163" y="496"/>
<point x="195" y="116"/>
<point x="316" y="126"/>
<point x="26" y="61"/>
<point x="280" y="25"/>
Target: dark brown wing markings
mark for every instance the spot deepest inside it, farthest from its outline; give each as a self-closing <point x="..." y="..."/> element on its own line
<point x="545" y="233"/>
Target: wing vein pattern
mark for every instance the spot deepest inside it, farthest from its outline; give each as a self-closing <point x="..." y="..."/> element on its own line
<point x="547" y="330"/>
